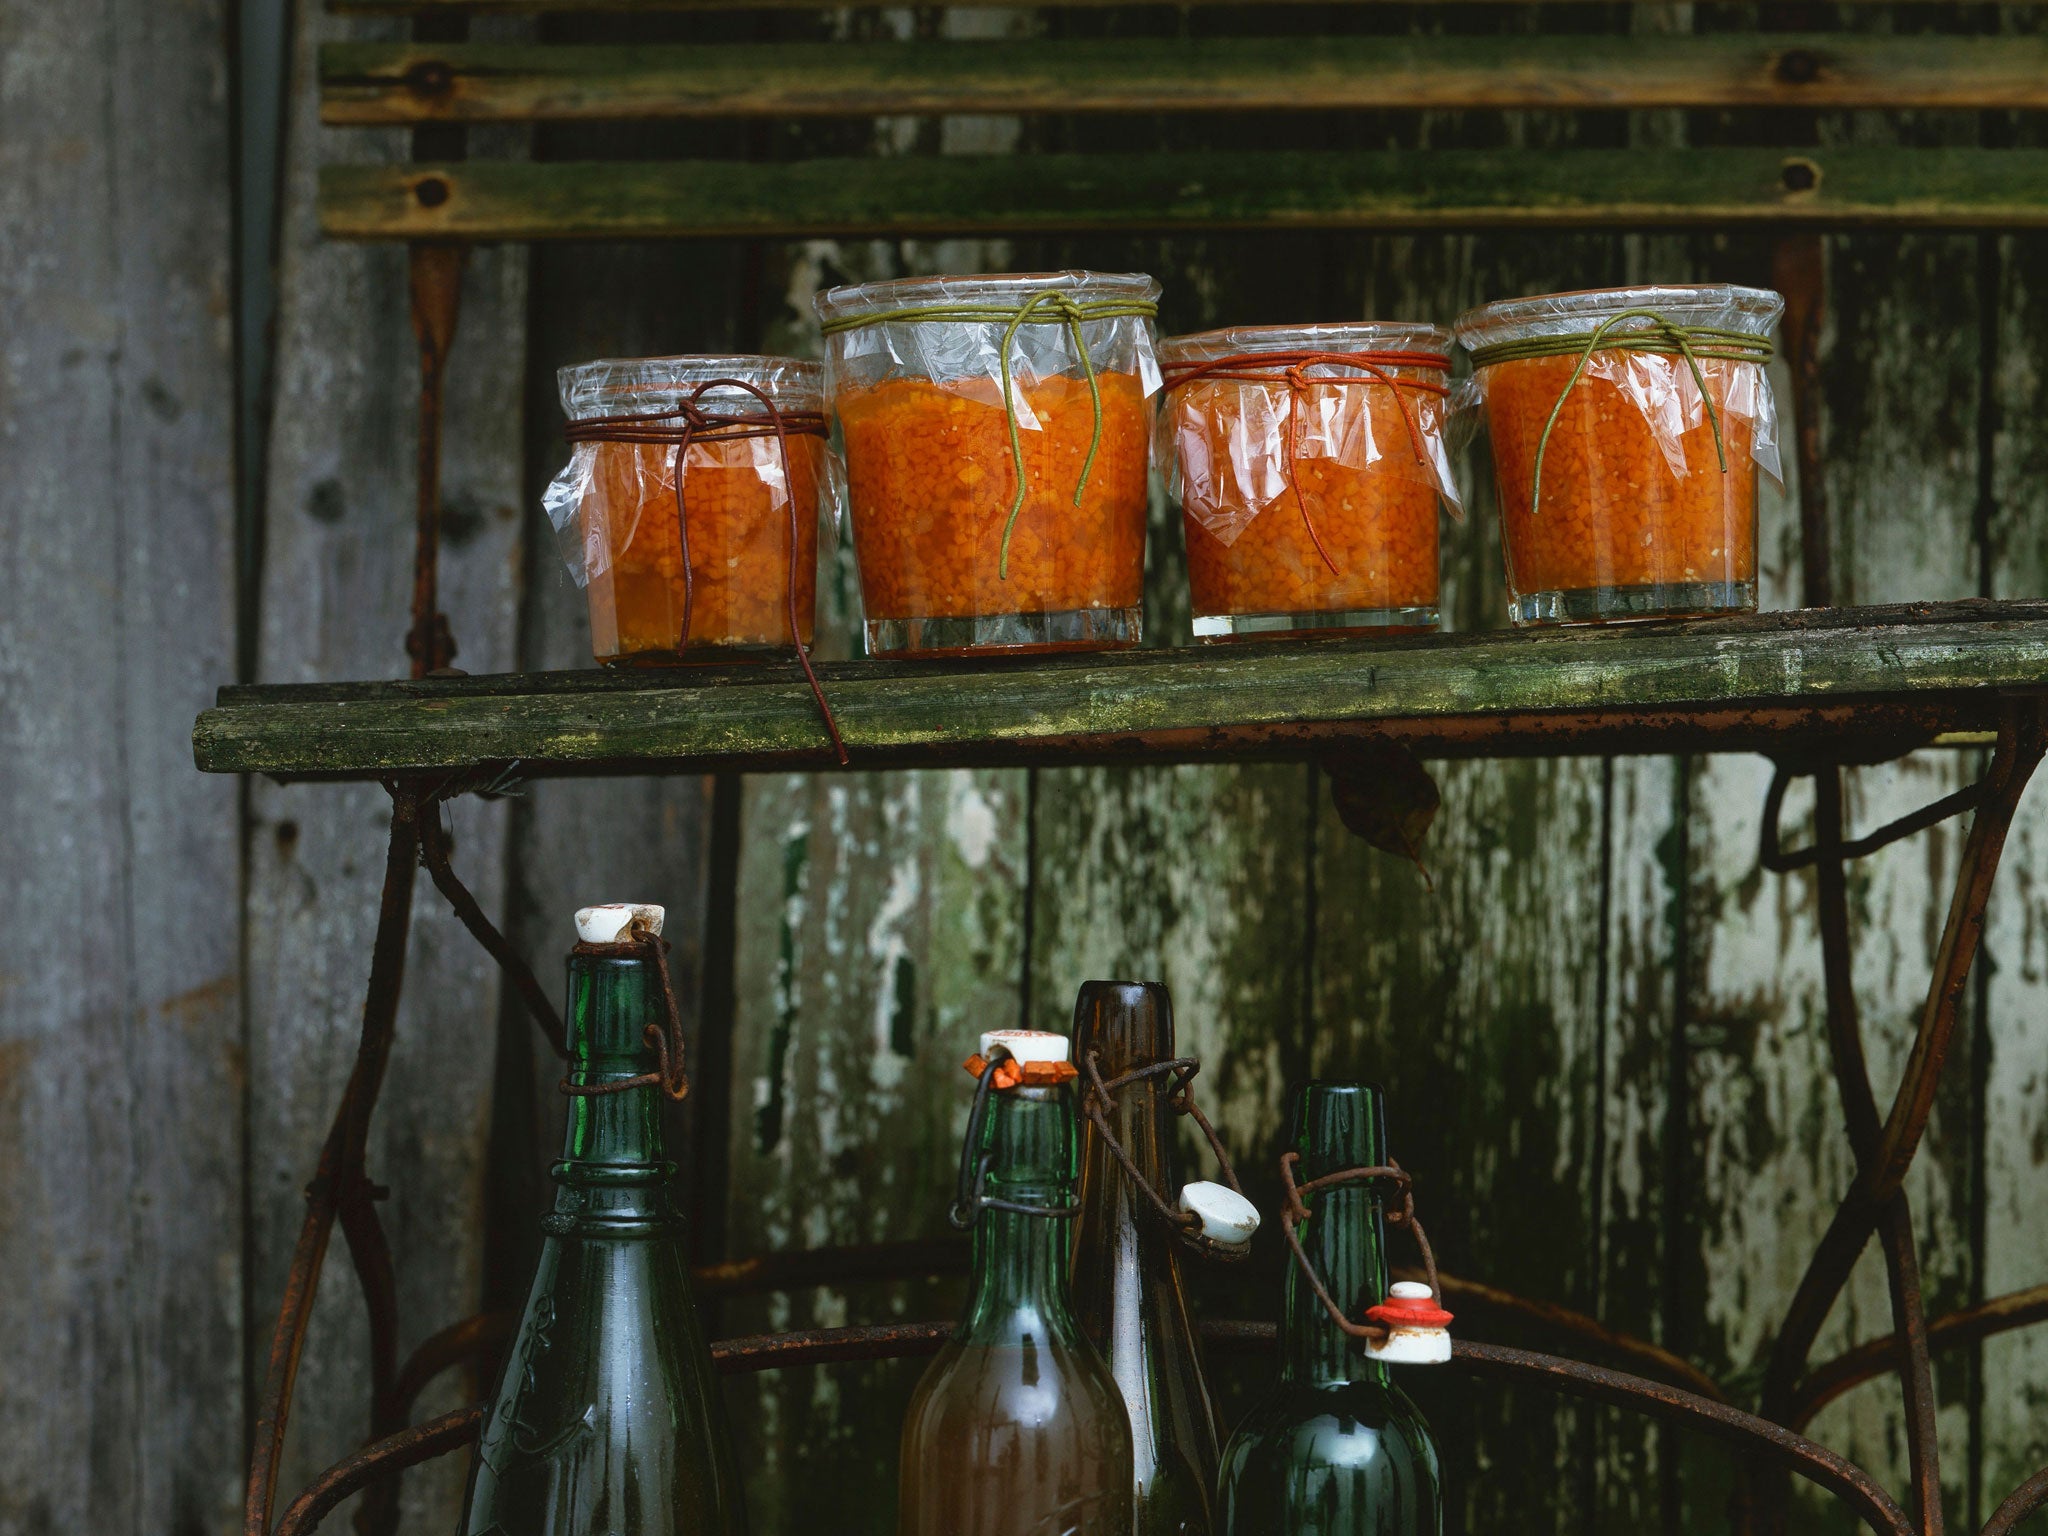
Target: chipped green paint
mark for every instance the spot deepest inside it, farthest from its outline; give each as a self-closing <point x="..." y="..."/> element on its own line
<point x="796" y="847"/>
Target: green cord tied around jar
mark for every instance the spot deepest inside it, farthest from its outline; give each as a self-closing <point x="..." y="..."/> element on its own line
<point x="1048" y="306"/>
<point x="1663" y="336"/>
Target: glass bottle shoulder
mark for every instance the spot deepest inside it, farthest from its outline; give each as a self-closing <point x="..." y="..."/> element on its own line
<point x="1357" y="1424"/>
<point x="1043" y="1384"/>
<point x="1016" y="1439"/>
<point x="606" y="1416"/>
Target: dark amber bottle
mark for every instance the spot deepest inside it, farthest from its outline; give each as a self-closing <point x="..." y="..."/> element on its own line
<point x="1336" y="1449"/>
<point x="1016" y="1429"/>
<point x="608" y="1417"/>
<point x="1127" y="1280"/>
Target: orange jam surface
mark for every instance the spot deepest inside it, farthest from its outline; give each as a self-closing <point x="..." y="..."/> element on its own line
<point x="739" y="545"/>
<point x="1378" y="521"/>
<point x="931" y="480"/>
<point x="1613" y="513"/>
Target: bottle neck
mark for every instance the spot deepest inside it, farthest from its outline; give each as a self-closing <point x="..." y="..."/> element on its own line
<point x="1121" y="1027"/>
<point x="1019" y="1288"/>
<point x="612" y="1139"/>
<point x="1343" y="1240"/>
<point x="1336" y="1126"/>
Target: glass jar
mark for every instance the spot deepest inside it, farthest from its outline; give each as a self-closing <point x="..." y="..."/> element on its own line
<point x="1308" y="461"/>
<point x="996" y="434"/>
<point x="1628" y="426"/>
<point x="748" y="515"/>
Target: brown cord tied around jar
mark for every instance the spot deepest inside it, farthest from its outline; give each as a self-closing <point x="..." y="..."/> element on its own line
<point x="664" y="1038"/>
<point x="1180" y="1098"/>
<point x="1293" y="1213"/>
<point x="689" y="423"/>
<point x="1290" y="368"/>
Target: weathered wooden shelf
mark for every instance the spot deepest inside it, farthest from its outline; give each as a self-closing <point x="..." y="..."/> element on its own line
<point x="1844" y="684"/>
<point x="384" y="83"/>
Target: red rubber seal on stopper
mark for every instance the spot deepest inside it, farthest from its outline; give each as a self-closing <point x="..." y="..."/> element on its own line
<point x="1408" y="1312"/>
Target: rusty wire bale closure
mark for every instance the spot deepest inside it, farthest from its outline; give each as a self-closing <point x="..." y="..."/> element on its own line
<point x="971" y="1196"/>
<point x="1293" y="1213"/>
<point x="664" y="1038"/>
<point x="1180" y="1098"/>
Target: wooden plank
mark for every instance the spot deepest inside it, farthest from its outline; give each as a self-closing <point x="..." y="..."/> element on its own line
<point x="121" y="1090"/>
<point x="2006" y="1419"/>
<point x="1284" y="700"/>
<point x="1473" y="995"/>
<point x="1767" y="1155"/>
<point x="1905" y="393"/>
<point x="1396" y="189"/>
<point x="412" y="83"/>
<point x="881" y="929"/>
<point x="337" y="539"/>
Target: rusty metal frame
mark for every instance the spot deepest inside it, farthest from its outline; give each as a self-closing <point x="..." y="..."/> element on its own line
<point x="1875" y="1205"/>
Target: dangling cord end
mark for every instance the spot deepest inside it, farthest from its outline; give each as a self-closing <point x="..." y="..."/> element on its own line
<point x="1094" y="399"/>
<point x="1016" y="440"/>
<point x="682" y="454"/>
<point x="1673" y="333"/>
<point x="667" y="1043"/>
<point x="803" y="656"/>
<point x="1295" y="383"/>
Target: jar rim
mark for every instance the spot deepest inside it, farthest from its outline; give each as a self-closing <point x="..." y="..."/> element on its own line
<point x="852" y="300"/>
<point x="1726" y="306"/>
<point x="1336" y="335"/>
<point x="599" y="387"/>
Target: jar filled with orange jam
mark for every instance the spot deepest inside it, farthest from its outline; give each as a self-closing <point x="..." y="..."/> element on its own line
<point x="730" y="568"/>
<point x="996" y="432"/>
<point x="1628" y="426"/>
<point x="1308" y="461"/>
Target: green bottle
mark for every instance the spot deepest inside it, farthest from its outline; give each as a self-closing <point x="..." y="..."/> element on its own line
<point x="608" y="1417"/>
<point x="1336" y="1449"/>
<point x="1017" y="1428"/>
<point x="1127" y="1282"/>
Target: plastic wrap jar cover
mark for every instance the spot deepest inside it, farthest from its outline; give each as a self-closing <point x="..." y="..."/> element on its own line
<point x="1308" y="461"/>
<point x="1650" y="411"/>
<point x="996" y="435"/>
<point x="615" y="506"/>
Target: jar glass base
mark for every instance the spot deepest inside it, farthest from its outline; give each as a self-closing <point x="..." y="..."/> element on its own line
<point x="1621" y="605"/>
<point x="704" y="654"/>
<point x="1264" y="626"/>
<point x="1072" y="629"/>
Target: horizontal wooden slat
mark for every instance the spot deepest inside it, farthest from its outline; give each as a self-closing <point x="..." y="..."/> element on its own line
<point x="1876" y="681"/>
<point x="1433" y="189"/>
<point x="366" y="83"/>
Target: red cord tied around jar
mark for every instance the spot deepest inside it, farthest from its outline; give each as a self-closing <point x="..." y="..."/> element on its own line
<point x="688" y="424"/>
<point x="1291" y="368"/>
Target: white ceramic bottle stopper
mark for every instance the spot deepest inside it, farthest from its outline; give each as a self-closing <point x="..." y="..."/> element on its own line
<point x="1418" y="1330"/>
<point x="1025" y="1045"/>
<point x="613" y="922"/>
<point x="1227" y="1217"/>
